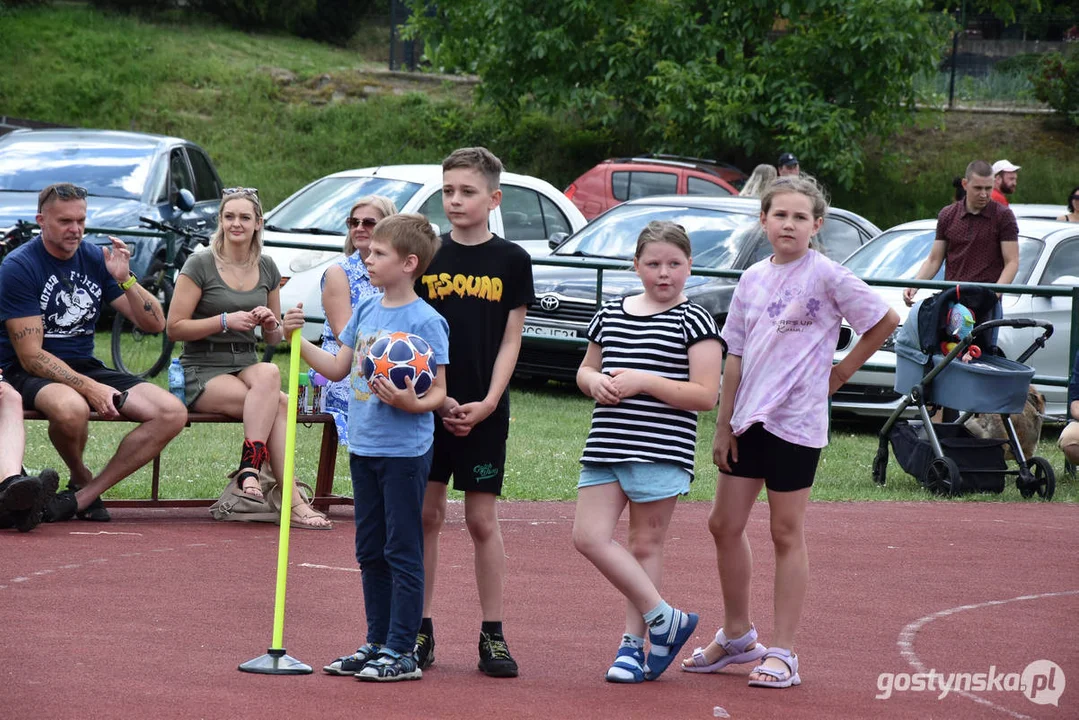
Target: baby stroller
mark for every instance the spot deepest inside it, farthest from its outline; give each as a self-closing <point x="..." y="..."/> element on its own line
<point x="945" y="457"/>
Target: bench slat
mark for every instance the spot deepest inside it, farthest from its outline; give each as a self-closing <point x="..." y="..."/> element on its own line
<point x="327" y="461"/>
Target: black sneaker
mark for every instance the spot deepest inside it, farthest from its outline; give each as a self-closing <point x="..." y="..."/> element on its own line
<point x="95" y="511"/>
<point x="21" y="497"/>
<point x="60" y="507"/>
<point x="424" y="650"/>
<point x="495" y="658"/>
<point x="352" y="664"/>
<point x="50" y="481"/>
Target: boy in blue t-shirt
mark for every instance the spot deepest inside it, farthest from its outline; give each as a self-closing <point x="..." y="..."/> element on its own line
<point x="390" y="437"/>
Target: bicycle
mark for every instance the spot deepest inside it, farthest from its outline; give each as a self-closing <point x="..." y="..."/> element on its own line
<point x="18" y="234"/>
<point x="138" y="352"/>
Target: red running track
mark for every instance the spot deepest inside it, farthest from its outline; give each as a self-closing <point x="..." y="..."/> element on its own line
<point x="148" y="617"/>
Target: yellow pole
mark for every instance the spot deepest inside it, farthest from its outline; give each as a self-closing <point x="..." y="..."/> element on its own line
<point x="286" y="491"/>
<point x="276" y="661"/>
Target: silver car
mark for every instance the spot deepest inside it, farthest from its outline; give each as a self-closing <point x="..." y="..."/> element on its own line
<point x="1048" y="255"/>
<point x="725" y="233"/>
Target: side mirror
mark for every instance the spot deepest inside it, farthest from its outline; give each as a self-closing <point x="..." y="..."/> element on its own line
<point x="1067" y="281"/>
<point x="556" y="239"/>
<point x="185" y="200"/>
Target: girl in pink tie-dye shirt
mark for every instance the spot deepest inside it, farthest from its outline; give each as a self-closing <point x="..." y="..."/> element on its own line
<point x="781" y="334"/>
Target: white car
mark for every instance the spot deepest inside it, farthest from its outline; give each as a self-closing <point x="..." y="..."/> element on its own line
<point x="531" y="212"/>
<point x="1037" y="212"/>
<point x="1048" y="255"/>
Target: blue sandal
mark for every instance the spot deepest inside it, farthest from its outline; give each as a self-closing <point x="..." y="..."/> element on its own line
<point x="666" y="645"/>
<point x="631" y="660"/>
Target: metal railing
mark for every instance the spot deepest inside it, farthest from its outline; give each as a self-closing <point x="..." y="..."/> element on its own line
<point x="1037" y="290"/>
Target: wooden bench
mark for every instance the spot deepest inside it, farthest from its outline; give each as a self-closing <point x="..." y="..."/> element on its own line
<point x="327" y="461"/>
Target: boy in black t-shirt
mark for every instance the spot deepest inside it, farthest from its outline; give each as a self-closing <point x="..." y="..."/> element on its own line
<point x="482" y="285"/>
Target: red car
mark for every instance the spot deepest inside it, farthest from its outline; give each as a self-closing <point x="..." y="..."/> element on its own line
<point x="616" y="180"/>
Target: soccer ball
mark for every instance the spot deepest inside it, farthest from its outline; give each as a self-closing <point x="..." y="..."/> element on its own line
<point x="398" y="356"/>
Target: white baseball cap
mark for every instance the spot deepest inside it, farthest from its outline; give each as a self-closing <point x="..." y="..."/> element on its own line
<point x="1003" y="166"/>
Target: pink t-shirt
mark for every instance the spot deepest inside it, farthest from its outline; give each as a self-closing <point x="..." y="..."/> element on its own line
<point x="784" y="323"/>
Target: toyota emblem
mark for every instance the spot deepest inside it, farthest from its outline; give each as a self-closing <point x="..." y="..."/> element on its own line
<point x="548" y="303"/>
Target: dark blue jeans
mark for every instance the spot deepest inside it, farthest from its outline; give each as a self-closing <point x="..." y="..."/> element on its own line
<point x="388" y="497"/>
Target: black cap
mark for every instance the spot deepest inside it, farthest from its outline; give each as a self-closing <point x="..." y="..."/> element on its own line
<point x="787" y="159"/>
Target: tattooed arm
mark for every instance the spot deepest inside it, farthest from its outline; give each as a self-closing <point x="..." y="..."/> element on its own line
<point x="137" y="303"/>
<point x="27" y="336"/>
<point x="139" y="306"/>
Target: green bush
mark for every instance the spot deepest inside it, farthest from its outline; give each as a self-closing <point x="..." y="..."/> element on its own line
<point x="1023" y="63"/>
<point x="1056" y="82"/>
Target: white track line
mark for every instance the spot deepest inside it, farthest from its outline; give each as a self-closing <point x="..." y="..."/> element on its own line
<point x="907" y="635"/>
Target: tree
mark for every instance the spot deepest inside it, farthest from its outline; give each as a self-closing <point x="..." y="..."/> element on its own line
<point x="815" y="77"/>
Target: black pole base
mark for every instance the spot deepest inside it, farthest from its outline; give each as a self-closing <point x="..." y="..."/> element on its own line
<point x="275" y="662"/>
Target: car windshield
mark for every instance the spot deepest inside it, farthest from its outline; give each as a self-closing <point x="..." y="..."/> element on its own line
<point x="103" y="169"/>
<point x="716" y="236"/>
<point x="899" y="254"/>
<point x="324" y="205"/>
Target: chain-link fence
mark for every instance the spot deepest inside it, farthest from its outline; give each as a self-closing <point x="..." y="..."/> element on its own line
<point x="989" y="65"/>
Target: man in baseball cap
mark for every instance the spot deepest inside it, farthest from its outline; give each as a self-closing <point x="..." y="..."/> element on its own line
<point x="787" y="165"/>
<point x="1005" y="177"/>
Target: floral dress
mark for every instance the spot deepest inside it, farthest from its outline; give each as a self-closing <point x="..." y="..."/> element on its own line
<point x="337" y="393"/>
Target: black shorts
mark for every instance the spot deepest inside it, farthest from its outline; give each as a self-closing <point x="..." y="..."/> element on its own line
<point x="476" y="461"/>
<point x="30" y="385"/>
<point x="785" y="466"/>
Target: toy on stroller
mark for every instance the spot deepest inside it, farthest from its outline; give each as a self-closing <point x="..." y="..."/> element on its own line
<point x="942" y="361"/>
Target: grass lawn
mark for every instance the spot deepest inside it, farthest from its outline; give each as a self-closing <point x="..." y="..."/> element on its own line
<point x="547" y="431"/>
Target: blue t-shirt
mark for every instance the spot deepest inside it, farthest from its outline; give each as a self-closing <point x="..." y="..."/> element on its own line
<point x="67" y="294"/>
<point x="376" y="429"/>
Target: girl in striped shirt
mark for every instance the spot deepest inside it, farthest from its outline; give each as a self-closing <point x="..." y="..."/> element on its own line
<point x="653" y="362"/>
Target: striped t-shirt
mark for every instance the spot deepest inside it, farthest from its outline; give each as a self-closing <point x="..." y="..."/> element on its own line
<point x="642" y="428"/>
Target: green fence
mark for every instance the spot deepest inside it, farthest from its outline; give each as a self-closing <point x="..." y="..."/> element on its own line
<point x="1038" y="290"/>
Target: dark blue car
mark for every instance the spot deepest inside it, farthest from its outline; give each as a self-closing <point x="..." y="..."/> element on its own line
<point x="126" y="174"/>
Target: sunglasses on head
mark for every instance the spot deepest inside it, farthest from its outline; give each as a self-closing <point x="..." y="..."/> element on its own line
<point x="64" y="191"/>
<point x="367" y="222"/>
<point x="240" y="191"/>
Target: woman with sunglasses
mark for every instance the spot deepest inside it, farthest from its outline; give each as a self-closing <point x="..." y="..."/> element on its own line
<point x="343" y="284"/>
<point x="1073" y="207"/>
<point x="220" y="298"/>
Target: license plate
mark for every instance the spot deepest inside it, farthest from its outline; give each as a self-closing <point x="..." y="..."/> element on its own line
<point x="543" y="331"/>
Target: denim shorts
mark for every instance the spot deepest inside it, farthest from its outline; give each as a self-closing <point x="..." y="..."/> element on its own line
<point x="642" y="482"/>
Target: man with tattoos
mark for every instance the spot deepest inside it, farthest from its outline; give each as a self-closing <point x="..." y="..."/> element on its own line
<point x="51" y="294"/>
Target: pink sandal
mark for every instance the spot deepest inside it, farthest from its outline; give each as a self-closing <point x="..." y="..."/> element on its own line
<point x="783" y="678"/>
<point x="739" y="650"/>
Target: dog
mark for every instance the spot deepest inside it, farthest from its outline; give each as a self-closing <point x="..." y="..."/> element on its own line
<point x="1028" y="425"/>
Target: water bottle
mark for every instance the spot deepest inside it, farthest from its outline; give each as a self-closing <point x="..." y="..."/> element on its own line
<point x="176" y="379"/>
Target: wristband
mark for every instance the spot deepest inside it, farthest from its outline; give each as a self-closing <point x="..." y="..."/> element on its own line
<point x="224" y="322"/>
<point x="129" y="283"/>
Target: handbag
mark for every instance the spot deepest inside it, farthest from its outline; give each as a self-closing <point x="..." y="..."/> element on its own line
<point x="235" y="505"/>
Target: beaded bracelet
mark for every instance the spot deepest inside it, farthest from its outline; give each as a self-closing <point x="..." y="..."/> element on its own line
<point x="224" y="322"/>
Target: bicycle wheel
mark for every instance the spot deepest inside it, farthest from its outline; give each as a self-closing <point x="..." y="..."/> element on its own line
<point x="137" y="352"/>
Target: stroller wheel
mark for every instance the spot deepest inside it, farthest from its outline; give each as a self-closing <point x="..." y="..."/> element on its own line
<point x="880" y="466"/>
<point x="942" y="477"/>
<point x="1039" y="479"/>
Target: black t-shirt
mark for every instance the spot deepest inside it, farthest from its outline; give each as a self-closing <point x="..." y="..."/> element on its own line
<point x="475" y="287"/>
